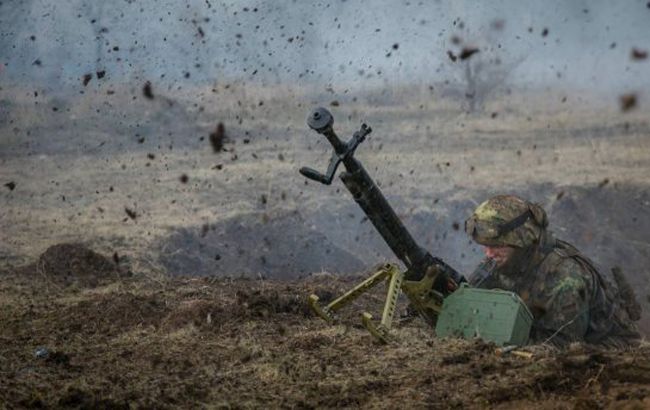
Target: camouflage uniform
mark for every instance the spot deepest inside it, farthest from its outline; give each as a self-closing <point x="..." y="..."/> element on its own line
<point x="569" y="298"/>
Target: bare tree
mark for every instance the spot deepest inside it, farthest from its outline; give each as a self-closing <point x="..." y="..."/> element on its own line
<point x="482" y="77"/>
<point x="481" y="66"/>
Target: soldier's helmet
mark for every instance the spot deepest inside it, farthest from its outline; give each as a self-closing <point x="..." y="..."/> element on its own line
<point x="507" y="220"/>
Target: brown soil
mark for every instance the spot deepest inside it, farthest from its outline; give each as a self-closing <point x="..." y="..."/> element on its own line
<point x="221" y="343"/>
<point x="72" y="263"/>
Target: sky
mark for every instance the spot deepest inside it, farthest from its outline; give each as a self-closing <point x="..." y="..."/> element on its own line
<point x="566" y="44"/>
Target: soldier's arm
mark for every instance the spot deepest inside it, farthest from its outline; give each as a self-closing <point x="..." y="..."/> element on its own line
<point x="565" y="314"/>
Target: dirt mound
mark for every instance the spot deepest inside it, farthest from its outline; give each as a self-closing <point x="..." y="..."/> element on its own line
<point x="214" y="342"/>
<point x="69" y="263"/>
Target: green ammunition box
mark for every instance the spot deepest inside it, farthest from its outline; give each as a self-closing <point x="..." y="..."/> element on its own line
<point x="494" y="315"/>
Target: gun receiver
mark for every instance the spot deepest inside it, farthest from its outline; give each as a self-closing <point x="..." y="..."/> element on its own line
<point x="366" y="193"/>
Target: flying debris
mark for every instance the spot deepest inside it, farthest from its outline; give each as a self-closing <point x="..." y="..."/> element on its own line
<point x="147" y="90"/>
<point x="628" y="102"/>
<point x="131" y="213"/>
<point x="467" y="52"/>
<point x="218" y="137"/>
<point x="638" y="54"/>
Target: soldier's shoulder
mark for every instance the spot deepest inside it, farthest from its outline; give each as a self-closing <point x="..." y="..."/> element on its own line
<point x="564" y="278"/>
<point x="563" y="262"/>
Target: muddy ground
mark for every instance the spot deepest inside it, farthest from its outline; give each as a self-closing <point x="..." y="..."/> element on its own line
<point x="124" y="340"/>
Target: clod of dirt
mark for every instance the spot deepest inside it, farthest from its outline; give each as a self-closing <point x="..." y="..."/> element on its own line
<point x="100" y="74"/>
<point x="147" y="90"/>
<point x="131" y="213"/>
<point x="11" y="185"/>
<point x="335" y="103"/>
<point x="467" y="52"/>
<point x="638" y="54"/>
<point x="87" y="78"/>
<point x="628" y="102"/>
<point x="218" y="137"/>
<point x="70" y="263"/>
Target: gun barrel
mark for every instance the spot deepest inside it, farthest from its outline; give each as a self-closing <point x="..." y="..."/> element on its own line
<point x="370" y="198"/>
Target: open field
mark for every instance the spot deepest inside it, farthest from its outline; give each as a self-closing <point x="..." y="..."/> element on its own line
<point x="223" y="247"/>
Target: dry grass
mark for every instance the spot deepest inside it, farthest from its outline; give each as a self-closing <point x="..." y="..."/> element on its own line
<point x="139" y="346"/>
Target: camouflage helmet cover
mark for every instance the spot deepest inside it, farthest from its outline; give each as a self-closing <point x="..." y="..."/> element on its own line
<point x="506" y="220"/>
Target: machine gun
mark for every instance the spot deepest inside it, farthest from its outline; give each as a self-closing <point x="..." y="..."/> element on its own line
<point x="427" y="280"/>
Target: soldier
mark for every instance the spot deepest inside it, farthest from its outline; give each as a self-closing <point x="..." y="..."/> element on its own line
<point x="569" y="298"/>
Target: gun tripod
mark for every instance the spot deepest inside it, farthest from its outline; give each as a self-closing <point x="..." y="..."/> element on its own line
<point x="427" y="279"/>
<point x="427" y="302"/>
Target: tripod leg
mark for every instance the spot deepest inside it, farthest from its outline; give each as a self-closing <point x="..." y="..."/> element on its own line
<point x="381" y="331"/>
<point x="326" y="312"/>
